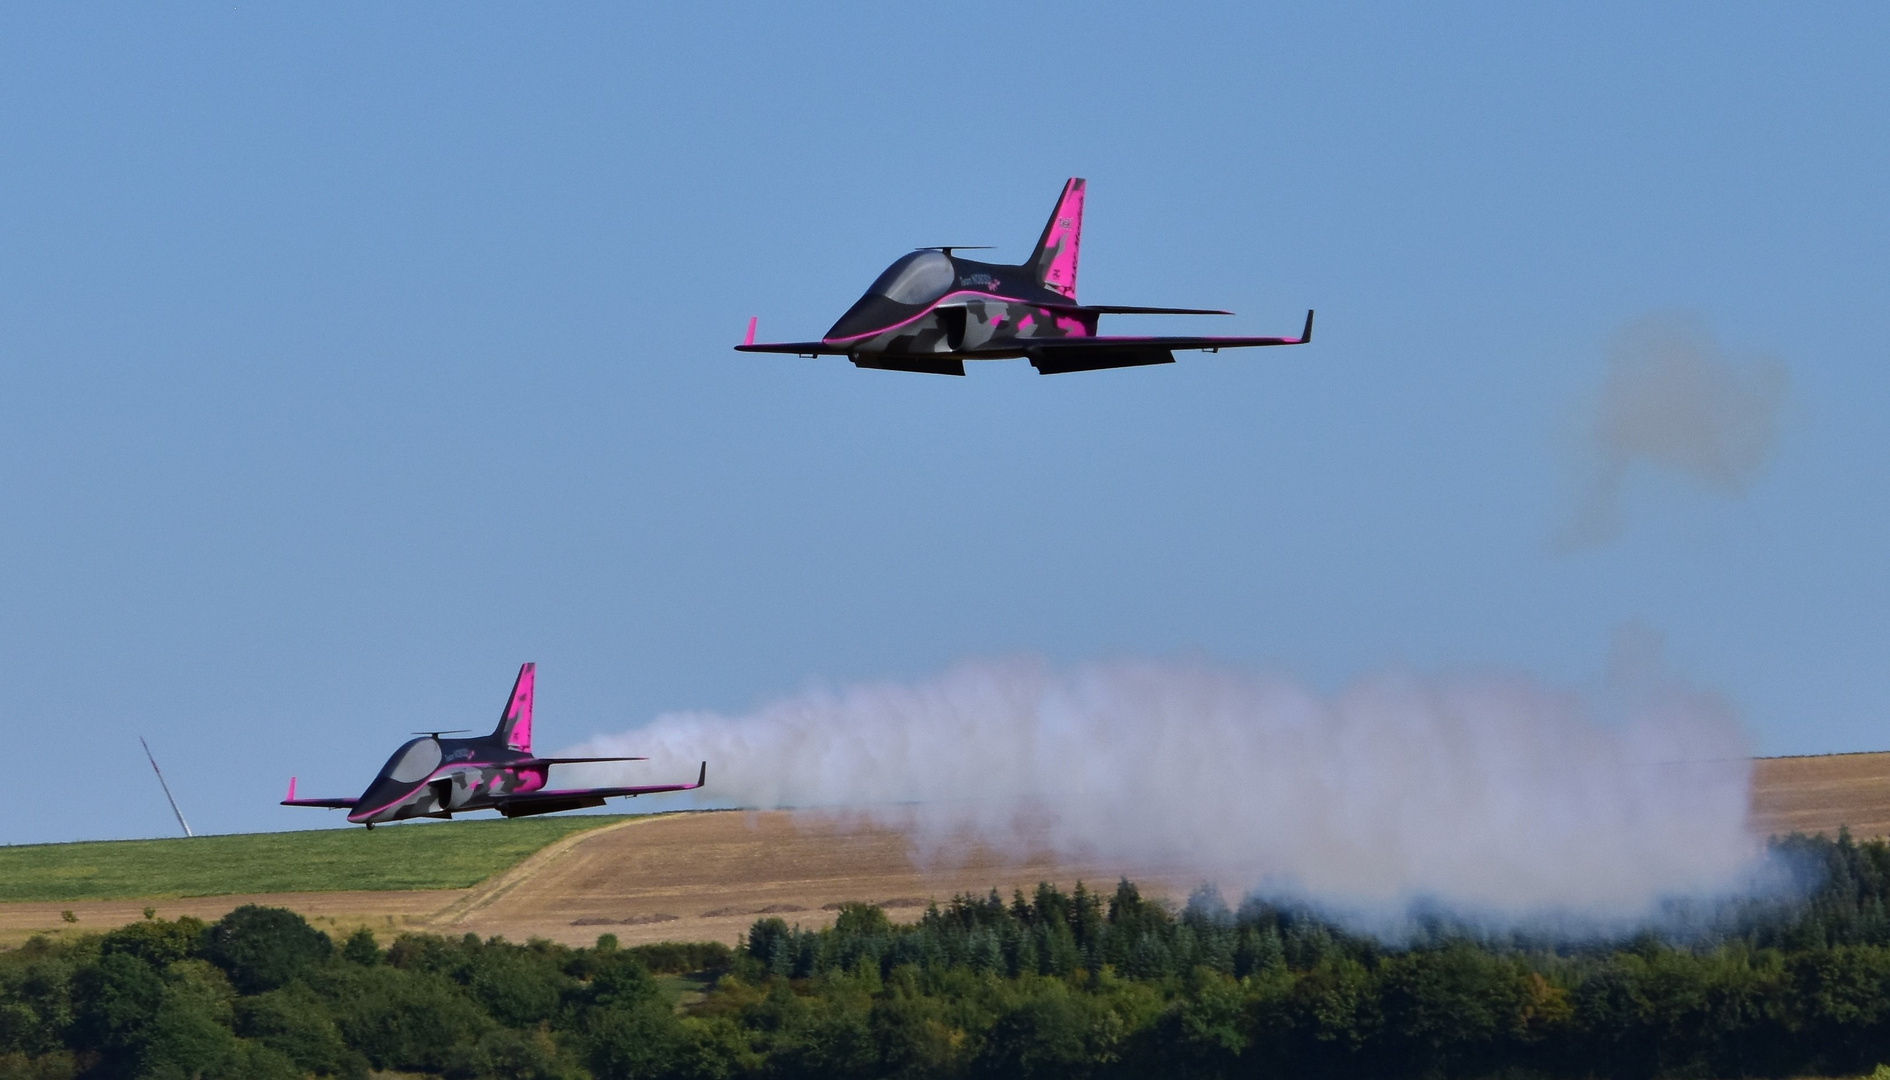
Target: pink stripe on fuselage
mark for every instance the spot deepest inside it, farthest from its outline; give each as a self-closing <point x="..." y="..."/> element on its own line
<point x="936" y="304"/>
<point x="530" y="780"/>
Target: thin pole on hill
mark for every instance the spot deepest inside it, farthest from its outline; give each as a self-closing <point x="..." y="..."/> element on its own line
<point x="166" y="787"/>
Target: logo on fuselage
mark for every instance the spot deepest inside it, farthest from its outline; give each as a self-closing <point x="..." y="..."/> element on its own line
<point x="982" y="280"/>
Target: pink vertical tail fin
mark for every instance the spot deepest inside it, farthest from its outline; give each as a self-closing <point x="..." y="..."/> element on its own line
<point x="1055" y="258"/>
<point x="515" y="723"/>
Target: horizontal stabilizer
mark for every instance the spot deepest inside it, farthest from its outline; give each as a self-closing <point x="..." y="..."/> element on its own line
<point x="529" y="762"/>
<point x="515" y="805"/>
<point x="1119" y="309"/>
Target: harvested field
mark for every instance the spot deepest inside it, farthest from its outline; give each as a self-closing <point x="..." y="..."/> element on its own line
<point x="708" y="876"/>
<point x="1818" y="794"/>
<point x="340" y="913"/>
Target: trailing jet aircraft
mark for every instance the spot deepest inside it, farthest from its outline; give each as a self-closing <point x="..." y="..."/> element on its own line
<point x="435" y="777"/>
<point x="931" y="311"/>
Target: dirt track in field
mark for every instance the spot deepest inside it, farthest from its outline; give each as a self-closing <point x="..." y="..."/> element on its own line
<point x="708" y="876"/>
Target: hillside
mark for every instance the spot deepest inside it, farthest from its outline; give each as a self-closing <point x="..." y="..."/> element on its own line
<point x="319" y="860"/>
<point x="683" y="876"/>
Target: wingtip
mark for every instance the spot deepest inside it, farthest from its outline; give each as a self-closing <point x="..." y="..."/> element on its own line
<point x="752" y="321"/>
<point x="291" y="797"/>
<point x="1306" y="334"/>
<point x="703" y="776"/>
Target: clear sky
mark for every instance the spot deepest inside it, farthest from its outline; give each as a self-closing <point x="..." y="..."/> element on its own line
<point x="353" y="354"/>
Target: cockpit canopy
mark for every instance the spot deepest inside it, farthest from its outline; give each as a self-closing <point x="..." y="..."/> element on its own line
<point x="413" y="762"/>
<point x="897" y="295"/>
<point x="916" y="280"/>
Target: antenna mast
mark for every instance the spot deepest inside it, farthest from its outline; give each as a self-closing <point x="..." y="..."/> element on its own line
<point x="165" y="786"/>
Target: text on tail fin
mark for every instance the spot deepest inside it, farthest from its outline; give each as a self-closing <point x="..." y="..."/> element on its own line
<point x="1055" y="258"/>
<point x="515" y="723"/>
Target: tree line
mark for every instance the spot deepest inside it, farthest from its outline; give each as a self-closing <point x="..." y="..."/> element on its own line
<point x="1051" y="984"/>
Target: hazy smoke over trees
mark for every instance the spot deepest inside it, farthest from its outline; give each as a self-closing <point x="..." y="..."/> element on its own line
<point x="1492" y="796"/>
<point x="1673" y="400"/>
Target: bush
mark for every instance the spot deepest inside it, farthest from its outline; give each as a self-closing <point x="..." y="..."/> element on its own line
<point x="399" y="1019"/>
<point x="620" y="981"/>
<point x="1051" y="1033"/>
<point x="117" y="998"/>
<point x="683" y="957"/>
<point x="517" y="988"/>
<point x="650" y="1041"/>
<point x="296" y="1023"/>
<point x="263" y="948"/>
<point x="361" y="948"/>
<point x="156" y="941"/>
<point x="638" y="1042"/>
<point x="502" y="1054"/>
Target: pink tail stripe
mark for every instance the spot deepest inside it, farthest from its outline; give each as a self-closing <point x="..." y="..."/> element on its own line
<point x="1062" y="239"/>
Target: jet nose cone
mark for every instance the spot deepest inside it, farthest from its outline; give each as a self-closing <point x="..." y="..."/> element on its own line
<point x="381" y="796"/>
<point x="869" y="316"/>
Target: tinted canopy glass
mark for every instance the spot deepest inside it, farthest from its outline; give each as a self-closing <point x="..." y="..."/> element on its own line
<point x="916" y="280"/>
<point x="413" y="761"/>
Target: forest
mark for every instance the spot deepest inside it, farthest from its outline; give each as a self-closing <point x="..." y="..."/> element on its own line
<point x="1051" y="984"/>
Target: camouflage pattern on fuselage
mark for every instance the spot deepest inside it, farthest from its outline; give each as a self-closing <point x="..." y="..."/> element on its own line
<point x="988" y="311"/>
<point x="468" y="776"/>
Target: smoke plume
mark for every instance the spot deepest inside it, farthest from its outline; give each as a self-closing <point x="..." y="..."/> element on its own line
<point x="1672" y="400"/>
<point x="1490" y="796"/>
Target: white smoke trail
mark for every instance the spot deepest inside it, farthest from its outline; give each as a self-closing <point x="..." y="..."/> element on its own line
<point x="1487" y="795"/>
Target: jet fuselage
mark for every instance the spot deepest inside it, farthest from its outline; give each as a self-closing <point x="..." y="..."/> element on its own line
<point x="934" y="303"/>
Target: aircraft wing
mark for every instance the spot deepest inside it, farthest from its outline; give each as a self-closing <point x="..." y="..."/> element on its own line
<point x="1057" y="356"/>
<point x="330" y="804"/>
<point x="566" y="761"/>
<point x="565" y="795"/>
<point x="1121" y="309"/>
<point x="798" y="348"/>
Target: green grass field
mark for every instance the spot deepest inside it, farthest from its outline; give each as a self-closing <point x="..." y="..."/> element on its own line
<point x="449" y="855"/>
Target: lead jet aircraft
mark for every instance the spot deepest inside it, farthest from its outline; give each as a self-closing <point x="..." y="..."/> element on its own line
<point x="931" y="311"/>
<point x="435" y="777"/>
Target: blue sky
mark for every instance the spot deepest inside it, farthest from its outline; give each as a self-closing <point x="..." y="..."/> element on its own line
<point x="354" y="354"/>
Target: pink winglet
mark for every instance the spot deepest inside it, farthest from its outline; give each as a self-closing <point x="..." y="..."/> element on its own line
<point x="291" y="789"/>
<point x="750" y="339"/>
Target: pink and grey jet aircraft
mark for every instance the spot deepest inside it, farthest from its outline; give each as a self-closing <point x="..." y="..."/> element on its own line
<point x="931" y="311"/>
<point x="437" y="777"/>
